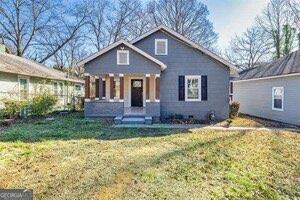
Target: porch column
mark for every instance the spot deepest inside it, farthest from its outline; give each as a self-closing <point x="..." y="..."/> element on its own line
<point x="121" y="87"/>
<point x="97" y="88"/>
<point x="87" y="79"/>
<point x="111" y="87"/>
<point x="147" y="87"/>
<point x="157" y="87"/>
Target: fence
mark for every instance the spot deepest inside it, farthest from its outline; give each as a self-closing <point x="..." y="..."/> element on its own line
<point x="64" y="102"/>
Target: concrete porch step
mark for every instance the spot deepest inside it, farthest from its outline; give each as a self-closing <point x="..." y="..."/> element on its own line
<point x="133" y="120"/>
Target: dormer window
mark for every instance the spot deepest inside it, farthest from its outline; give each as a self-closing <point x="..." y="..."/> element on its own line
<point x="123" y="57"/>
<point x="161" y="47"/>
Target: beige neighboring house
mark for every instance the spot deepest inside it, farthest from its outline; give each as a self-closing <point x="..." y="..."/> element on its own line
<point x="22" y="79"/>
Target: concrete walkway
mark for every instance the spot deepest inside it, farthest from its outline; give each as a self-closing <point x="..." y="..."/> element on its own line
<point x="200" y="126"/>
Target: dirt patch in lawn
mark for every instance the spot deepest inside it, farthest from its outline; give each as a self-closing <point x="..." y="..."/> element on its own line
<point x="116" y="188"/>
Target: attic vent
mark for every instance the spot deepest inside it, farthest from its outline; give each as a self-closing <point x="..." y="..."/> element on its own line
<point x="161" y="47"/>
<point x="123" y="57"/>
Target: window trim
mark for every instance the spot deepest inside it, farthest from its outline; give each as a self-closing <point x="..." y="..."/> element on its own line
<point x="273" y="98"/>
<point x="28" y="85"/>
<point x="186" y="87"/>
<point x="118" y="57"/>
<point x="58" y="95"/>
<point x="166" y="47"/>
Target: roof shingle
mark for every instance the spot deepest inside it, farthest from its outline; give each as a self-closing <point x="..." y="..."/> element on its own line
<point x="13" y="64"/>
<point x="289" y="64"/>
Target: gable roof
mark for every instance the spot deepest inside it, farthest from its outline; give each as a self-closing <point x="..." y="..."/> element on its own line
<point x="17" y="65"/>
<point x="287" y="65"/>
<point x="110" y="47"/>
<point x="233" y="69"/>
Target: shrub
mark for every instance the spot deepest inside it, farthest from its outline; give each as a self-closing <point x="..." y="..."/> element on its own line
<point x="234" y="109"/>
<point x="43" y="103"/>
<point x="13" y="107"/>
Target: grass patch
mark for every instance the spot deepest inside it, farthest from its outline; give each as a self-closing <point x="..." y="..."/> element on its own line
<point x="250" y="121"/>
<point x="74" y="158"/>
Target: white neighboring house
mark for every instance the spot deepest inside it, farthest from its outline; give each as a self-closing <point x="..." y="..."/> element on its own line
<point x="271" y="91"/>
<point x="21" y="79"/>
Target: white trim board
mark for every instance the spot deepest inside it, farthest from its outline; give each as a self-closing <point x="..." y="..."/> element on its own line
<point x="95" y="55"/>
<point x="269" y="77"/>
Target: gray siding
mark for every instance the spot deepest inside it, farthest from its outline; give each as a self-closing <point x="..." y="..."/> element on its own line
<point x="183" y="60"/>
<point x="103" y="109"/>
<point x="107" y="63"/>
<point x="153" y="109"/>
<point x="255" y="98"/>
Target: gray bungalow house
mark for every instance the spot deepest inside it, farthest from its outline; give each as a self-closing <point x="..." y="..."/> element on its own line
<point x="271" y="91"/>
<point x="156" y="75"/>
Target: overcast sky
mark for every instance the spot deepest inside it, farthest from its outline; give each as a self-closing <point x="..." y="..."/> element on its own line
<point x="232" y="17"/>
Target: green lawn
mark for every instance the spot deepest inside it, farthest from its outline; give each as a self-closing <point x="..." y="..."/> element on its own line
<point x="74" y="158"/>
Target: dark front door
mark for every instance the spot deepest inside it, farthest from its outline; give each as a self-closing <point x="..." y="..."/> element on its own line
<point x="137" y="93"/>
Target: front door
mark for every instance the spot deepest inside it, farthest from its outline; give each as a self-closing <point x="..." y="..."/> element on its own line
<point x="137" y="93"/>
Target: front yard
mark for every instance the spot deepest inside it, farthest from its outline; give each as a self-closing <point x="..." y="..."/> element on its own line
<point x="74" y="158"/>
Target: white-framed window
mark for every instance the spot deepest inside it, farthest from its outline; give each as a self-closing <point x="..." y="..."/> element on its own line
<point x="123" y="57"/>
<point x="161" y="47"/>
<point x="23" y="87"/>
<point x="277" y="98"/>
<point x="58" y="89"/>
<point x="192" y="88"/>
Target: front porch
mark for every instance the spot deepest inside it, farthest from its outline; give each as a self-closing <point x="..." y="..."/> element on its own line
<point x="122" y="95"/>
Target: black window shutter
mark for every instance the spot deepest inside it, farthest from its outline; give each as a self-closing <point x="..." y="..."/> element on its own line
<point x="204" y="88"/>
<point x="181" y="90"/>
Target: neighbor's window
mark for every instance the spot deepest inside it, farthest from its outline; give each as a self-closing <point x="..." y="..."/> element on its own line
<point x="161" y="47"/>
<point x="123" y="57"/>
<point x="192" y="88"/>
<point x="24" y="88"/>
<point x="277" y="98"/>
<point x="61" y="89"/>
<point x="78" y="88"/>
<point x="55" y="88"/>
<point x="117" y="88"/>
<point x="58" y="89"/>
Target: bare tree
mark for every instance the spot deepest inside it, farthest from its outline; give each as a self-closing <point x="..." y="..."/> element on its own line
<point x="250" y="49"/>
<point x="96" y="21"/>
<point x="141" y="25"/>
<point x="189" y="18"/>
<point x="274" y="17"/>
<point x="295" y="7"/>
<point x="22" y="20"/>
<point x="64" y="29"/>
<point x="123" y="13"/>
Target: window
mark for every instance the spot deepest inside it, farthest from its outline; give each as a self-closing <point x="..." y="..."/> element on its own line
<point x="117" y="88"/>
<point x="78" y="88"/>
<point x="161" y="47"/>
<point x="123" y="57"/>
<point x="277" y="98"/>
<point x="58" y="89"/>
<point x="24" y="88"/>
<point x="55" y="88"/>
<point x="193" y="88"/>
